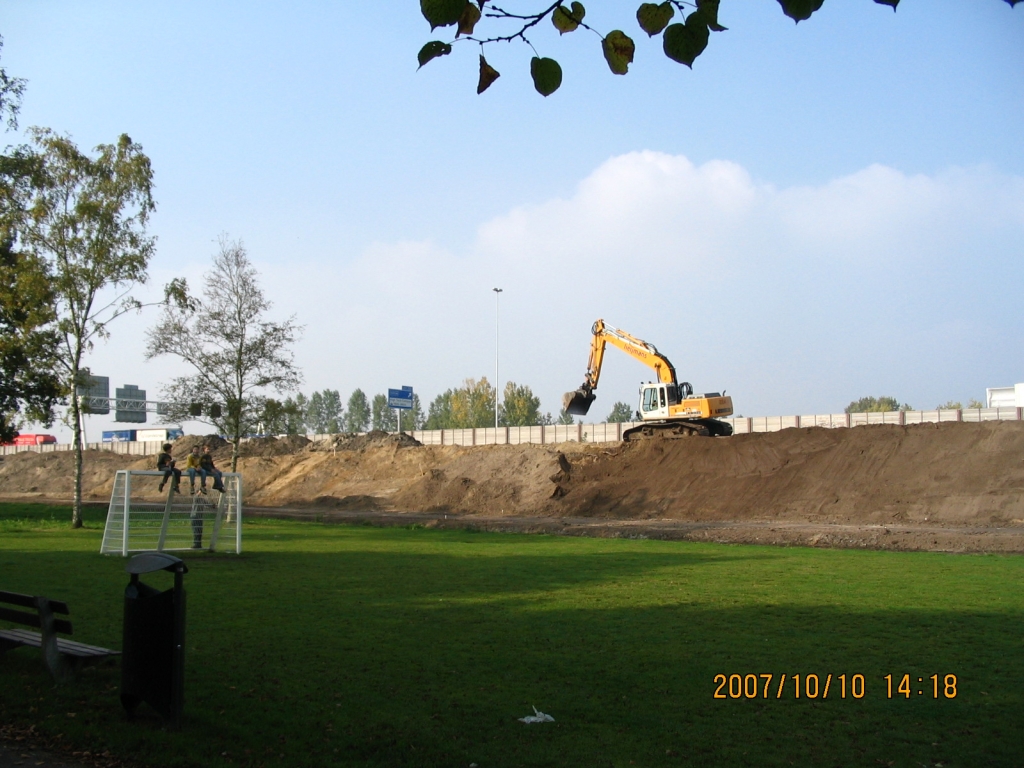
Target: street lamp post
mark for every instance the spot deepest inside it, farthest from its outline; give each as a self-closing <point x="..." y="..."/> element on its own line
<point x="497" y="381"/>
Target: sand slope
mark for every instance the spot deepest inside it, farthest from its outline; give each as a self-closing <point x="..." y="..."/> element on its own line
<point x="945" y="474"/>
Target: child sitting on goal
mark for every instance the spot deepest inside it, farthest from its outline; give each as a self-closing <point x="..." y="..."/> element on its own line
<point x="206" y="467"/>
<point x="165" y="462"/>
<point x="192" y="466"/>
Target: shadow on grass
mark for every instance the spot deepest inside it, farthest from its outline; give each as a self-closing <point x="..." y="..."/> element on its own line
<point x="391" y="647"/>
<point x="424" y="653"/>
<point x="93" y="515"/>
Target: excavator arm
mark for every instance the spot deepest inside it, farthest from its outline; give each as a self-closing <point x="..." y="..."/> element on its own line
<point x="579" y="400"/>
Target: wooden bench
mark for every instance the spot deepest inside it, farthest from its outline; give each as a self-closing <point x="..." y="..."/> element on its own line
<point x="62" y="657"/>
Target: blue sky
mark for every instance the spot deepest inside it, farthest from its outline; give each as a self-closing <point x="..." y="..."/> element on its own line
<point x="815" y="213"/>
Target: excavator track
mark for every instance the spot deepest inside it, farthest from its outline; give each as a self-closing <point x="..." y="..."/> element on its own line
<point x="671" y="430"/>
<point x="717" y="428"/>
<point x="665" y="431"/>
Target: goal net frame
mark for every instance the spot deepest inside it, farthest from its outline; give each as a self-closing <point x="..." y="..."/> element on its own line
<point x="141" y="518"/>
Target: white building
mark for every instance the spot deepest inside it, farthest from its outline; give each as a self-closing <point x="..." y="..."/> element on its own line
<point x="1005" y="397"/>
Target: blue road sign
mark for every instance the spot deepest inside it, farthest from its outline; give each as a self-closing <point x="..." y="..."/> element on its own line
<point x="400" y="398"/>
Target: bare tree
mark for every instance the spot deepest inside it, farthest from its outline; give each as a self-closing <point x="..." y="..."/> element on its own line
<point x="238" y="355"/>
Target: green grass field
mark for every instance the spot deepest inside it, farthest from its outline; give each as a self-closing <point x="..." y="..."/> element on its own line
<point x="362" y="646"/>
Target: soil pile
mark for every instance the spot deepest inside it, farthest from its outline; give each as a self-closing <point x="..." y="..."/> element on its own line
<point x="377" y="437"/>
<point x="183" y="445"/>
<point x="273" y="446"/>
<point x="41" y="476"/>
<point x="951" y="474"/>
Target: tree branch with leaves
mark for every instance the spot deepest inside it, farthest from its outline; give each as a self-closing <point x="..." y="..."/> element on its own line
<point x="682" y="40"/>
<point x="12" y="89"/>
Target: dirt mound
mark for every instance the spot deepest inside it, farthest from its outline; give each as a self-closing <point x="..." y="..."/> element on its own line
<point x="350" y="442"/>
<point x="360" y="503"/>
<point x="52" y="475"/>
<point x="184" y="445"/>
<point x="950" y="474"/>
<point x="494" y="479"/>
<point x="273" y="446"/>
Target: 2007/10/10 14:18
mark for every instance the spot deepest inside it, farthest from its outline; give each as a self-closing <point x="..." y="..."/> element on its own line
<point x="813" y="687"/>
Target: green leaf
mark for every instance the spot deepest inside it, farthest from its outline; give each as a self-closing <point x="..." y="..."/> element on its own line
<point x="618" y="51"/>
<point x="685" y="42"/>
<point x="563" y="20"/>
<point x="892" y="3"/>
<point x="708" y="9"/>
<point x="442" y="13"/>
<point x="488" y="75"/>
<point x="467" y="21"/>
<point x="432" y="50"/>
<point x="800" y="10"/>
<point x="654" y="18"/>
<point x="566" y="20"/>
<point x="546" y="74"/>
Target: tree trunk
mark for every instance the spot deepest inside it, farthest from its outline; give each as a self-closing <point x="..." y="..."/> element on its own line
<point x="235" y="443"/>
<point x="76" y="510"/>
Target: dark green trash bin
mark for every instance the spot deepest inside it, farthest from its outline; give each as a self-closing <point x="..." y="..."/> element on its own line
<point x="153" y="647"/>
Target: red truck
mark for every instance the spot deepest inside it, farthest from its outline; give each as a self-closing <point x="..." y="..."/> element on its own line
<point x="33" y="440"/>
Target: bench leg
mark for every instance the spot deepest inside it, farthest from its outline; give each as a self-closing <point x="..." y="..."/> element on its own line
<point x="59" y="665"/>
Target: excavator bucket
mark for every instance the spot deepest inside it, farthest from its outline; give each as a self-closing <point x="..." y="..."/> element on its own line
<point x="578" y="401"/>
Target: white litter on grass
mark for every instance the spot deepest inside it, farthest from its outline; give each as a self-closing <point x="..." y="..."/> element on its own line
<point x="537" y="717"/>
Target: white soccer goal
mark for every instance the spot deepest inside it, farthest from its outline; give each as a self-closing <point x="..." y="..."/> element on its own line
<point x="143" y="519"/>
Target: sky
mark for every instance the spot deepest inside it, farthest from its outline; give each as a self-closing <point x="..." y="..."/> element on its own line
<point x="813" y="214"/>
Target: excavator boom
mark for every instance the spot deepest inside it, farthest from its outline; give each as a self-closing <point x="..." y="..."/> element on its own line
<point x="578" y="401"/>
<point x="668" y="408"/>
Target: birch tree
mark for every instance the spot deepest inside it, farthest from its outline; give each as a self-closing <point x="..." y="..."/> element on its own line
<point x="86" y="219"/>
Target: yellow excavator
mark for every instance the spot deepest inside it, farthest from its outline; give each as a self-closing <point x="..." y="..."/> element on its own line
<point x="668" y="408"/>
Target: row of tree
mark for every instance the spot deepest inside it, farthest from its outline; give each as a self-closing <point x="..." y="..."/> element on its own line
<point x="471" y="405"/>
<point x="323" y="413"/>
<point x="879" y="404"/>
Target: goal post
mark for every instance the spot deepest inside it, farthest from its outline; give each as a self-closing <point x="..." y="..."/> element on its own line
<point x="141" y="518"/>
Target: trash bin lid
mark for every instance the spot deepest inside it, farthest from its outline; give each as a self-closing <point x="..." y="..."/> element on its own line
<point x="148" y="562"/>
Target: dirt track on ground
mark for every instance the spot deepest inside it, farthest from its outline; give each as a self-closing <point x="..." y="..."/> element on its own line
<point x="950" y="486"/>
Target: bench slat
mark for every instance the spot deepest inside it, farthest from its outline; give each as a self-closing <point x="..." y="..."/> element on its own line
<point x="23" y="636"/>
<point x="71" y="648"/>
<point x="28" y="601"/>
<point x="68" y="647"/>
<point x="20" y="617"/>
<point x="33" y="620"/>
